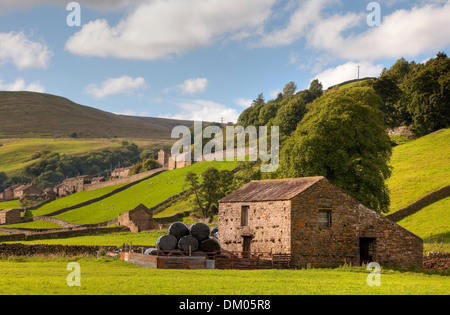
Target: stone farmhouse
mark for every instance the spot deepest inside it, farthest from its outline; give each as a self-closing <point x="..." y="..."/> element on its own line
<point x="120" y="172"/>
<point x="163" y="157"/>
<point x="174" y="162"/>
<point x="72" y="185"/>
<point x="8" y="194"/>
<point x="315" y="223"/>
<point x="29" y="190"/>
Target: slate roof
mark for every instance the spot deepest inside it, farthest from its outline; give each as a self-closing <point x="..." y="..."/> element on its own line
<point x="271" y="190"/>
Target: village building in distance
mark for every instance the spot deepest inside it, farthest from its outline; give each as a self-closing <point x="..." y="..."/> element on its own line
<point x="314" y="222"/>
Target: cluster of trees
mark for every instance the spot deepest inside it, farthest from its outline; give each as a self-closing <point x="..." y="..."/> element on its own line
<point x="416" y="95"/>
<point x="214" y="186"/>
<point x="286" y="111"/>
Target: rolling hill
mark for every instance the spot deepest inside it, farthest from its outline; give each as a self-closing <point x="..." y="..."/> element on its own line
<point x="420" y="167"/>
<point x="31" y="115"/>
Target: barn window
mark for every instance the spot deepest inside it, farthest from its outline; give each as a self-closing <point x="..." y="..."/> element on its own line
<point x="324" y="218"/>
<point x="244" y="215"/>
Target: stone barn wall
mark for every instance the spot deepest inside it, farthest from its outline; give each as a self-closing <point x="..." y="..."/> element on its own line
<point x="350" y="221"/>
<point x="269" y="227"/>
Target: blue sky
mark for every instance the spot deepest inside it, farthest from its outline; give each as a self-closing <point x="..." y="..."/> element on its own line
<point x="205" y="59"/>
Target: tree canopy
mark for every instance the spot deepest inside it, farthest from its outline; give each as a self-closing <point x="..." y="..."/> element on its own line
<point x="344" y="139"/>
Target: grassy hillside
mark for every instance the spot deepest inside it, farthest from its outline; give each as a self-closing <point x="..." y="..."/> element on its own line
<point x="150" y="193"/>
<point x="29" y="114"/>
<point x="71" y="200"/>
<point x="433" y="221"/>
<point x="419" y="168"/>
<point x="16" y="153"/>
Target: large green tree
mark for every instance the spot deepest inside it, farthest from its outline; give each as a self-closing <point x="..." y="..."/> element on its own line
<point x="427" y="96"/>
<point x="343" y="138"/>
<point x="215" y="185"/>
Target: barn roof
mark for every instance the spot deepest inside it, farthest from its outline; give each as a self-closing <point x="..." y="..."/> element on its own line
<point x="271" y="190"/>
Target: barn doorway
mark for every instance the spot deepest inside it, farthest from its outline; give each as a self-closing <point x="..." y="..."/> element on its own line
<point x="366" y="249"/>
<point x="246" y="246"/>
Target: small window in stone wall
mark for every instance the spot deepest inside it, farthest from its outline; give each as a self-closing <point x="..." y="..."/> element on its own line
<point x="324" y="218"/>
<point x="244" y="215"/>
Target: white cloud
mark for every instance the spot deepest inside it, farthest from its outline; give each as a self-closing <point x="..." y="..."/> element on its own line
<point x="403" y="33"/>
<point x="114" y="86"/>
<point x="274" y="93"/>
<point x="244" y="102"/>
<point x="204" y="110"/>
<point x="163" y="28"/>
<point x="18" y="49"/>
<point x="21" y="85"/>
<point x="307" y="13"/>
<point x="193" y="86"/>
<point x="346" y="72"/>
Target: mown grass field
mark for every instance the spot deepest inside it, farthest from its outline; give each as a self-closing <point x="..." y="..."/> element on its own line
<point x="114" y="277"/>
<point x="420" y="167"/>
<point x="150" y="193"/>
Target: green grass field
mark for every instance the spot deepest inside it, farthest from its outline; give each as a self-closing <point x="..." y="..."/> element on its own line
<point x="432" y="224"/>
<point x="420" y="167"/>
<point x="9" y="204"/>
<point x="150" y="193"/>
<point x="106" y="276"/>
<point x="71" y="200"/>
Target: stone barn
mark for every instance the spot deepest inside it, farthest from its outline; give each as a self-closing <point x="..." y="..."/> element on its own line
<point x="314" y="222"/>
<point x="137" y="220"/>
<point x="10" y="216"/>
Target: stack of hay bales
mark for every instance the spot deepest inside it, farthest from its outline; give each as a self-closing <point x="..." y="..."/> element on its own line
<point x="197" y="240"/>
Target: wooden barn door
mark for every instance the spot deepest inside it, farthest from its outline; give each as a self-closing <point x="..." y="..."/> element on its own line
<point x="246" y="246"/>
<point x="366" y="249"/>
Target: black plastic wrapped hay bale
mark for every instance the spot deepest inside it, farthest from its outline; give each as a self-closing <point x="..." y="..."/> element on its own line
<point x="167" y="242"/>
<point x="176" y="253"/>
<point x="188" y="243"/>
<point x="200" y="231"/>
<point x="151" y="252"/>
<point x="199" y="253"/>
<point x="179" y="230"/>
<point x="210" y="245"/>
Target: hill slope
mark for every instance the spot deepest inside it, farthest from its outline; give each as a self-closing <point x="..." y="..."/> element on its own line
<point x="420" y="167"/>
<point x="29" y="114"/>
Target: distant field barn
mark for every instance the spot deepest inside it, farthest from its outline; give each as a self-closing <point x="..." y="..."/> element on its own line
<point x="315" y="223"/>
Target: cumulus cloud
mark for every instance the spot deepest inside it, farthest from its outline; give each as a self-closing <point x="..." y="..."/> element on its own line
<point x="114" y="86"/>
<point x="21" y="85"/>
<point x="346" y="72"/>
<point x="18" y="49"/>
<point x="191" y="86"/>
<point x="204" y="110"/>
<point x="163" y="28"/>
<point x="307" y="13"/>
<point x="402" y="33"/>
<point x="244" y="102"/>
